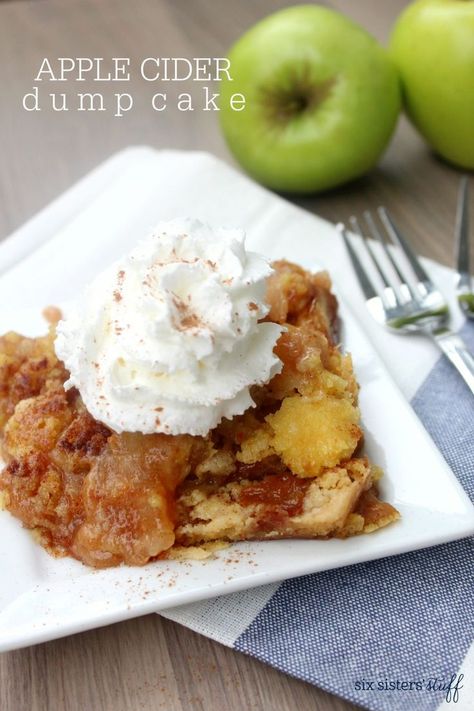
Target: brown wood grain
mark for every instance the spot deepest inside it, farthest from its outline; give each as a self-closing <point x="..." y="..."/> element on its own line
<point x="151" y="663"/>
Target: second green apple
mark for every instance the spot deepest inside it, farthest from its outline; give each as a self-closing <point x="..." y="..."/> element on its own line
<point x="433" y="47"/>
<point x="322" y="100"/>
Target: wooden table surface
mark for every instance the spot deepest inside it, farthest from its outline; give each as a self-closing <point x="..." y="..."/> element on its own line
<point x="151" y="663"/>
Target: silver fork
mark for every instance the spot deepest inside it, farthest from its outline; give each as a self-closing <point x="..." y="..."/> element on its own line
<point x="464" y="285"/>
<point x="407" y="301"/>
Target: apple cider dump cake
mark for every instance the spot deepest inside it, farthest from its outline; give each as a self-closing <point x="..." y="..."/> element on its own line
<point x="288" y="466"/>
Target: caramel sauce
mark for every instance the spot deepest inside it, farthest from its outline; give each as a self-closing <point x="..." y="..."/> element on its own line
<point x="285" y="492"/>
<point x="372" y="509"/>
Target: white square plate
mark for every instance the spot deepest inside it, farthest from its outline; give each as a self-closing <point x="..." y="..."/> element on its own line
<point x="42" y="598"/>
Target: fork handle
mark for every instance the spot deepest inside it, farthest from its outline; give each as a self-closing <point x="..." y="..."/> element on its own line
<point x="457" y="352"/>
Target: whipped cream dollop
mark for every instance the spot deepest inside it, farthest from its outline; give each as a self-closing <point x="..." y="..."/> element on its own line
<point x="168" y="338"/>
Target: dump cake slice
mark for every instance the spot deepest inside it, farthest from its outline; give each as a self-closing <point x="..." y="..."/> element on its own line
<point x="289" y="467"/>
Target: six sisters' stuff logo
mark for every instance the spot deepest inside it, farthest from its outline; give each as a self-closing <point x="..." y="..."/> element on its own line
<point x="450" y="686"/>
<point x="117" y="70"/>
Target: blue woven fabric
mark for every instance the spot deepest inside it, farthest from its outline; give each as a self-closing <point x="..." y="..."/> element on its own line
<point x="403" y="619"/>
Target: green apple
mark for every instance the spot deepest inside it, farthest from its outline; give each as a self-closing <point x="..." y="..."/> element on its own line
<point x="433" y="47"/>
<point x="321" y="100"/>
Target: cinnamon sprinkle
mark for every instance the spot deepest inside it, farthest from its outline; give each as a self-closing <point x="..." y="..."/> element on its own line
<point x="187" y="319"/>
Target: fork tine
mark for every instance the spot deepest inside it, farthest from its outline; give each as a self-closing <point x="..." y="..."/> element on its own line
<point x="398" y="239"/>
<point x="389" y="295"/>
<point x="356" y="228"/>
<point x="375" y="232"/>
<point x="462" y="230"/>
<point x="364" y="281"/>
